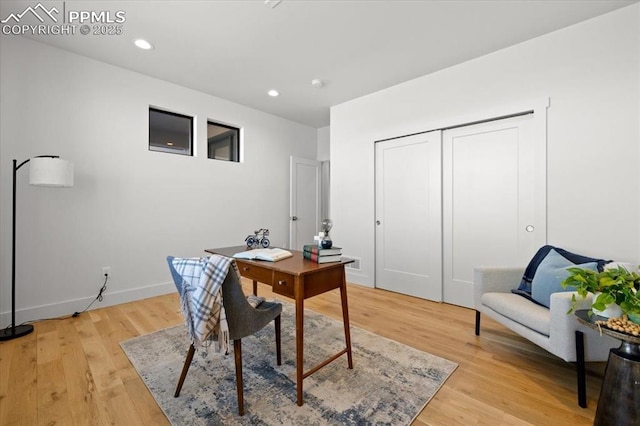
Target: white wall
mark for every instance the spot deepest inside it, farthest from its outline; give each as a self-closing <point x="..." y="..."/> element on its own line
<point x="590" y="72"/>
<point x="130" y="207"/>
<point x="323" y="144"/>
<point x="323" y="155"/>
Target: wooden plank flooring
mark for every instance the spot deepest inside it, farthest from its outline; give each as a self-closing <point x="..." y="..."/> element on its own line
<point x="73" y="372"/>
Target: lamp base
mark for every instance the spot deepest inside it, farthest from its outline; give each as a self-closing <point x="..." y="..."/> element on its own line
<point x="15" y="332"/>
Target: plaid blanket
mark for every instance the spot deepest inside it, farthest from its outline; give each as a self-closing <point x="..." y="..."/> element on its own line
<point x="202" y="298"/>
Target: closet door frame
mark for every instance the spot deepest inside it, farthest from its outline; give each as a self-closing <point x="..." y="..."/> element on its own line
<point x="537" y="107"/>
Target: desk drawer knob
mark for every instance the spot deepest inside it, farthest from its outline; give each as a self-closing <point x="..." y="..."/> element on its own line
<point x="282" y="282"/>
<point x="245" y="268"/>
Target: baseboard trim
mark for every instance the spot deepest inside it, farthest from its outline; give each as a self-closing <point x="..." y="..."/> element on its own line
<point x="61" y="309"/>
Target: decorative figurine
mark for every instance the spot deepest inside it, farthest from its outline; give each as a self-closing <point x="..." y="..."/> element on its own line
<point x="253" y="241"/>
<point x="326" y="242"/>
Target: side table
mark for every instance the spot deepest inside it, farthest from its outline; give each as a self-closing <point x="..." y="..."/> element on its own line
<point x="619" y="402"/>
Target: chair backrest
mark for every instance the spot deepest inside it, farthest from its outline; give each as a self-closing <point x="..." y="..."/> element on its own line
<point x="242" y="318"/>
<point x="177" y="278"/>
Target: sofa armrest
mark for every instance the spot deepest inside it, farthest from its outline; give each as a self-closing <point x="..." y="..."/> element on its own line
<point x="562" y="328"/>
<point x="561" y="304"/>
<point x="494" y="279"/>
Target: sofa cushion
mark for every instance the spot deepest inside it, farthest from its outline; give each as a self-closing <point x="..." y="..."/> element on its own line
<point x="520" y="310"/>
<point x="530" y="271"/>
<point x="550" y="274"/>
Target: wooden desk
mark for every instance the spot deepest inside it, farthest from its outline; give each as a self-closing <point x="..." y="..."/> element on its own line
<point x="298" y="278"/>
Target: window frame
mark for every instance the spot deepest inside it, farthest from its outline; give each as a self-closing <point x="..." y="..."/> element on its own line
<point x="190" y="151"/>
<point x="234" y="142"/>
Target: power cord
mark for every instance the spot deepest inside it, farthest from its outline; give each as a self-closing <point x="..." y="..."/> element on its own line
<point x="98" y="297"/>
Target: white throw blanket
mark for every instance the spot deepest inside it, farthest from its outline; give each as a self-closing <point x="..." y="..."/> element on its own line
<point x="202" y="298"/>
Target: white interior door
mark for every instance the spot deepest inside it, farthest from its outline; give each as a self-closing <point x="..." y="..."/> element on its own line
<point x="305" y="201"/>
<point x="494" y="199"/>
<point x="408" y="215"/>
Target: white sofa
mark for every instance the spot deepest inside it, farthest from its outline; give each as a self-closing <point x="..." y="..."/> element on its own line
<point x="551" y="329"/>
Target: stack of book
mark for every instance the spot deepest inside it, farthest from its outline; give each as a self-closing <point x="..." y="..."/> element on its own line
<point x="321" y="255"/>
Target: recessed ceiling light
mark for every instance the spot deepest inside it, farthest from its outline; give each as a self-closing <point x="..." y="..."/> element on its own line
<point x="273" y="93"/>
<point x="143" y="44"/>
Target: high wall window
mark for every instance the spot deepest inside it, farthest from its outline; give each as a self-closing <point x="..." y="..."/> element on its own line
<point x="223" y="142"/>
<point x="170" y="132"/>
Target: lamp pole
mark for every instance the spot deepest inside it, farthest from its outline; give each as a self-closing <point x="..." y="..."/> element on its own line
<point x="15" y="331"/>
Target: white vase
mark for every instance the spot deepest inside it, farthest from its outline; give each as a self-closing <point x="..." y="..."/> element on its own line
<point x="611" y="310"/>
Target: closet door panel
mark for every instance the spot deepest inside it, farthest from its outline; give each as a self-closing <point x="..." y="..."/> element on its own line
<point x="408" y="215"/>
<point x="489" y="197"/>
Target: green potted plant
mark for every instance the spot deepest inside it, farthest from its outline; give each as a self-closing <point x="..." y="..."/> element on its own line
<point x="613" y="285"/>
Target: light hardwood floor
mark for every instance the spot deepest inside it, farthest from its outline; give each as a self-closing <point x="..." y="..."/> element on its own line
<point x="73" y="372"/>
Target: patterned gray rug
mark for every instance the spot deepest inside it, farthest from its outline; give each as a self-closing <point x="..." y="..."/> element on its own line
<point x="390" y="383"/>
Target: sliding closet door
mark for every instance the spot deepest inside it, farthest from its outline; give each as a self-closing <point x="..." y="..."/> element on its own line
<point x="408" y="215"/>
<point x="494" y="199"/>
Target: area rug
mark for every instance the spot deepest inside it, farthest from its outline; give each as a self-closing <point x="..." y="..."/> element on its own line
<point x="389" y="384"/>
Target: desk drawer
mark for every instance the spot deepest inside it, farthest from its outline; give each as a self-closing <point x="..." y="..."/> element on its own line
<point x="256" y="273"/>
<point x="283" y="284"/>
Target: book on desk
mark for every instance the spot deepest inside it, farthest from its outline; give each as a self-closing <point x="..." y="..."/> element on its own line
<point x="268" y="254"/>
<point x="313" y="248"/>
<point x="321" y="255"/>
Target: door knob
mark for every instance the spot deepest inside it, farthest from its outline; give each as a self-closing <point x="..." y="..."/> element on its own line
<point x="294" y="217"/>
<point x="377" y="222"/>
<point x="530" y="228"/>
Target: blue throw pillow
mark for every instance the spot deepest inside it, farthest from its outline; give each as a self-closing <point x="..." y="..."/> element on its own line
<point x="525" y="284"/>
<point x="550" y="273"/>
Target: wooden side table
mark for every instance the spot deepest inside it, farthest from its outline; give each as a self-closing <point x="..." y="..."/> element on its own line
<point x="619" y="402"/>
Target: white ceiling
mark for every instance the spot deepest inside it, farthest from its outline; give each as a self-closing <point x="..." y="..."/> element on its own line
<point x="237" y="50"/>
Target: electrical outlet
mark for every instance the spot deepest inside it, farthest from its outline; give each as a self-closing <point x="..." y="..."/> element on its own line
<point x="106" y="271"/>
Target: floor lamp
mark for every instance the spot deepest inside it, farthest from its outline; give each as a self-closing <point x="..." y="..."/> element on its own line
<point x="45" y="170"/>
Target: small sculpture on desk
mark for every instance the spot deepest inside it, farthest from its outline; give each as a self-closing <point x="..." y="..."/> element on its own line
<point x="326" y="242"/>
<point x="258" y="239"/>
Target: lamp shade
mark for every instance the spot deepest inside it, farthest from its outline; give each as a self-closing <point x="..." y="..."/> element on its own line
<point x="52" y="172"/>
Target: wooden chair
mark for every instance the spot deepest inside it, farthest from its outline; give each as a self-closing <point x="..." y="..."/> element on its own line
<point x="243" y="320"/>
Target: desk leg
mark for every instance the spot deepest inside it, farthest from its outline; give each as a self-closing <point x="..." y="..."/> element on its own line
<point x="299" y="296"/>
<point x="255" y="287"/>
<point x="345" y="318"/>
